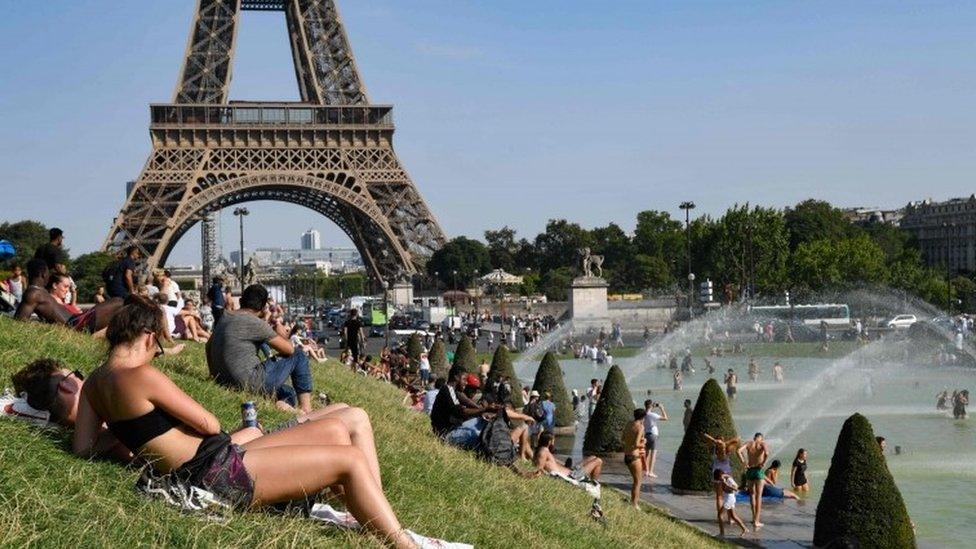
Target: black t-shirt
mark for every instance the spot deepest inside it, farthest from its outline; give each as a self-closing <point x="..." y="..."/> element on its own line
<point x="51" y="254"/>
<point x="352" y="328"/>
<point x="118" y="288"/>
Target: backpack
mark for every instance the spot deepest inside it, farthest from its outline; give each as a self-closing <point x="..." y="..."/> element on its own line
<point x="536" y="411"/>
<point x="496" y="445"/>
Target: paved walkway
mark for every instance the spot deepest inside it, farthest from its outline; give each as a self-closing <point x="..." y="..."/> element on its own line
<point x="788" y="525"/>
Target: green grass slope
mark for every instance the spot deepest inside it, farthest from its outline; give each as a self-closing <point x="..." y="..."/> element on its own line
<point x="49" y="498"/>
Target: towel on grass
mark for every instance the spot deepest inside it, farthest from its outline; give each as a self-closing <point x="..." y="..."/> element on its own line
<point x="590" y="486"/>
<point x="15" y="407"/>
<point x="206" y="505"/>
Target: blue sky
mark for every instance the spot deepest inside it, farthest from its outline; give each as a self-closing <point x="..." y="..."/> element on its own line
<point x="516" y="112"/>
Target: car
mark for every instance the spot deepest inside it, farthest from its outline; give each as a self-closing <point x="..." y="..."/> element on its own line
<point x="377" y="331"/>
<point x="900" y="322"/>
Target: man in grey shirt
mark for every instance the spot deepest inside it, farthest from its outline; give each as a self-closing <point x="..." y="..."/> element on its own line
<point x="233" y="359"/>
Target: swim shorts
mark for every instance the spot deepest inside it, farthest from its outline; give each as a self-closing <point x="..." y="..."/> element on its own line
<point x="84" y="321"/>
<point x="754" y="473"/>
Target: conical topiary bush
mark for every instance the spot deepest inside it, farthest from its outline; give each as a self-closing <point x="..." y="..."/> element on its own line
<point x="860" y="501"/>
<point x="414" y="349"/>
<point x="465" y="358"/>
<point x="501" y="366"/>
<point x="549" y="377"/>
<point x="692" y="469"/>
<point x="438" y="359"/>
<point x="613" y="411"/>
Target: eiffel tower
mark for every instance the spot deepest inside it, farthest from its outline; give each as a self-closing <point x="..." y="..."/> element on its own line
<point x="331" y="152"/>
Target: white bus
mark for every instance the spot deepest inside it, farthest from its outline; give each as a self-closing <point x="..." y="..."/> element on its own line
<point x="834" y="314"/>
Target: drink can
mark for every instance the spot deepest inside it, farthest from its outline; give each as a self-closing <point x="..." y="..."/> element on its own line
<point x="249" y="414"/>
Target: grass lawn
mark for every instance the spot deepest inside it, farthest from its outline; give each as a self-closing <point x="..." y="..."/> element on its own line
<point x="50" y="498"/>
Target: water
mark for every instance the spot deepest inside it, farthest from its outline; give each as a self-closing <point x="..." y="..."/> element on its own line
<point x="529" y="359"/>
<point x="938" y="460"/>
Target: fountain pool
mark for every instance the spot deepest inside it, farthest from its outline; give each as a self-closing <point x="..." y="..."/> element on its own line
<point x="937" y="464"/>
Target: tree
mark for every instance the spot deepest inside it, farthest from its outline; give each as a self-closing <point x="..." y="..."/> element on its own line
<point x="693" y="463"/>
<point x="549" y="378"/>
<point x="613" y="244"/>
<point x="658" y="235"/>
<point x="26" y="236"/>
<point x="558" y="247"/>
<point x="86" y="271"/>
<point x="860" y="501"/>
<point x="467" y="257"/>
<point x="815" y="220"/>
<point x="964" y="290"/>
<point x="613" y="412"/>
<point x="555" y="283"/>
<point x="501" y="366"/>
<point x="414" y="349"/>
<point x="465" y="358"/>
<point x="752" y="248"/>
<point x="438" y="359"/>
<point x="502" y="248"/>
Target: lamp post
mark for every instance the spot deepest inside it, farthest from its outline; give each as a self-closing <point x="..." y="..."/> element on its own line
<point x="386" y="313"/>
<point x="454" y="272"/>
<point x="687" y="206"/>
<point x="240" y="213"/>
<point x="691" y="294"/>
<point x="945" y="235"/>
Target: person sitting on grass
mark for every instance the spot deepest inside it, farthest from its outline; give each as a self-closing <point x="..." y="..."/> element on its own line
<point x="59" y="286"/>
<point x="52" y="387"/>
<point x="305" y="344"/>
<point x="162" y="425"/>
<point x="546" y="462"/>
<point x="37" y="300"/>
<point x="232" y="354"/>
<point x="455" y="417"/>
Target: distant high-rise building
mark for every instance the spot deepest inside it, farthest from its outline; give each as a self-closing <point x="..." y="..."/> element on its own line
<point x="311" y="240"/>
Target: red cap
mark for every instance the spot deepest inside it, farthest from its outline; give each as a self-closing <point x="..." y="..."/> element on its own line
<point x="472" y="381"/>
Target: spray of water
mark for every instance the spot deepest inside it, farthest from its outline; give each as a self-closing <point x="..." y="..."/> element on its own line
<point x="529" y="359"/>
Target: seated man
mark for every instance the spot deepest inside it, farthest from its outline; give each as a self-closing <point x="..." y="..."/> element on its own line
<point x="546" y="462"/>
<point x="232" y="354"/>
<point x="38" y="301"/>
<point x="455" y="417"/>
<point x="52" y="387"/>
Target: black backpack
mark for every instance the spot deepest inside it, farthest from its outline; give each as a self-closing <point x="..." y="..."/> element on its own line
<point x="496" y="442"/>
<point x="536" y="411"/>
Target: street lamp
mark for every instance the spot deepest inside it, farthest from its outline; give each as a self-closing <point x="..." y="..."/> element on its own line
<point x="240" y="213"/>
<point x="691" y="294"/>
<point x="454" y="272"/>
<point x="687" y="206"/>
<point x="945" y="234"/>
<point x="386" y="313"/>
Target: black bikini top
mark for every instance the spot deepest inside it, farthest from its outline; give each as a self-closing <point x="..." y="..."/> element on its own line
<point x="136" y="432"/>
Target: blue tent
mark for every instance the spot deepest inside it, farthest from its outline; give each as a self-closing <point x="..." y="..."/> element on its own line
<point x="7" y="249"/>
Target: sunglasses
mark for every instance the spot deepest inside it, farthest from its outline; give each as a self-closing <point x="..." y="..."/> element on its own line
<point x="159" y="346"/>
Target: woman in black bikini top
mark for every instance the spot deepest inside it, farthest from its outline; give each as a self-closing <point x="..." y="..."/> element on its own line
<point x="161" y="424"/>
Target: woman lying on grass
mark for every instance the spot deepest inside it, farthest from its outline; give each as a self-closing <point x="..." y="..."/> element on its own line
<point x="161" y="424"/>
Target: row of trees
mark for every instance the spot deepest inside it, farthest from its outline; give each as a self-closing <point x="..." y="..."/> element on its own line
<point x="806" y="249"/>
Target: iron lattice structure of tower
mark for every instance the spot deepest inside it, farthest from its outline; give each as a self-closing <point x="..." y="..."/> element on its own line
<point x="331" y="152"/>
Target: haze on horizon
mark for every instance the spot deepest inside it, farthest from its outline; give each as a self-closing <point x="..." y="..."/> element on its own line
<point x="512" y="114"/>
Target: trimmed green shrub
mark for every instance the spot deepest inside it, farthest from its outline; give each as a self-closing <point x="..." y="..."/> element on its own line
<point x="438" y="359"/>
<point x="613" y="412"/>
<point x="465" y="358"/>
<point x="860" y="500"/>
<point x="414" y="349"/>
<point x="501" y="366"/>
<point x="693" y="462"/>
<point x="549" y="377"/>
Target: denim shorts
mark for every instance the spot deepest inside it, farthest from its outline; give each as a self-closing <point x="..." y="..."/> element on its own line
<point x="467" y="435"/>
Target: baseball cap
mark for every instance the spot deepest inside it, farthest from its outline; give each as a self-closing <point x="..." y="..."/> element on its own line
<point x="472" y="381"/>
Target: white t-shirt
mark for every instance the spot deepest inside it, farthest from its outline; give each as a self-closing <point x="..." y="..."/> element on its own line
<point x="170" y="313"/>
<point x="424" y="364"/>
<point x="296" y="341"/>
<point x="650" y="423"/>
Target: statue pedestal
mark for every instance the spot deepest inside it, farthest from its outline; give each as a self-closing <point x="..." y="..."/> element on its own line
<point x="588" y="303"/>
<point x="401" y="294"/>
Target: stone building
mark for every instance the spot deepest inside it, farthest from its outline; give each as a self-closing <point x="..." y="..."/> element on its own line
<point x="946" y="232"/>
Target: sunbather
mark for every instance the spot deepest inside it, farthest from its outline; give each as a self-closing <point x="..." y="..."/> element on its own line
<point x="160" y="423"/>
